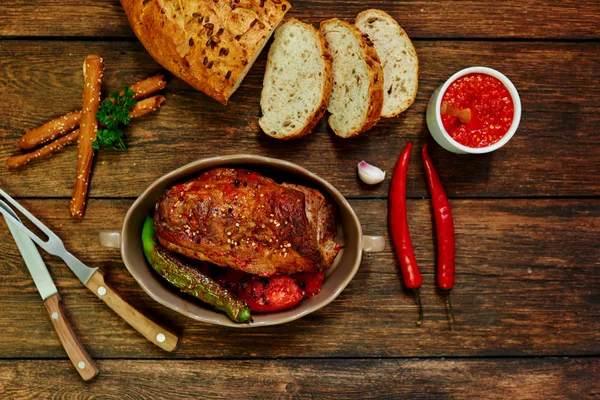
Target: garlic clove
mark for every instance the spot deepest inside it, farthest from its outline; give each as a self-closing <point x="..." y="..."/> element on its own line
<point x="370" y="174"/>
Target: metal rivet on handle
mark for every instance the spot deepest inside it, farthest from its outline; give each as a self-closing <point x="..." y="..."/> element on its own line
<point x="101" y="291"/>
<point x="81" y="365"/>
<point x="161" y="337"/>
<point x="54" y="315"/>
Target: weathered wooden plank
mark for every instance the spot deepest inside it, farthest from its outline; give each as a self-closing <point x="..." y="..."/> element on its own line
<point x="528" y="283"/>
<point x="555" y="152"/>
<point x="569" y="19"/>
<point x="526" y="379"/>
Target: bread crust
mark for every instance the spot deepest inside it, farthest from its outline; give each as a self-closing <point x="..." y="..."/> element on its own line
<point x="210" y="44"/>
<point x="385" y="15"/>
<point x="328" y="84"/>
<point x="325" y="94"/>
<point x="375" y="106"/>
<point x="376" y="78"/>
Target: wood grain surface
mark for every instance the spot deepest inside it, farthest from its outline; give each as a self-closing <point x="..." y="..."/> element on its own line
<point x="528" y="283"/>
<point x="522" y="379"/>
<point x="567" y="19"/>
<point x="540" y="160"/>
<point x="527" y="295"/>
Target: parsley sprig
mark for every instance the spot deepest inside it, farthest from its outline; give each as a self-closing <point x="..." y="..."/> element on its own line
<point x="114" y="115"/>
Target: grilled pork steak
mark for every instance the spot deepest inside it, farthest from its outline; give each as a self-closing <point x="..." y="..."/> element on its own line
<point x="243" y="220"/>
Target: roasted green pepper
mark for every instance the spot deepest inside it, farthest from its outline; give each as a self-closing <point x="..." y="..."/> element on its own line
<point x="189" y="279"/>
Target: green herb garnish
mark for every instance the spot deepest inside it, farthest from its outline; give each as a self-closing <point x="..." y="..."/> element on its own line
<point x="114" y="115"/>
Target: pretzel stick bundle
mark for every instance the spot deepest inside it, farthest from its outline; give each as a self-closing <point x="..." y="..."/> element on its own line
<point x="140" y="109"/>
<point x="93" y="69"/>
<point x="65" y="124"/>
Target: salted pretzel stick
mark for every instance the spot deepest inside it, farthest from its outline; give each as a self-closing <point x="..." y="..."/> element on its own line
<point x="93" y="70"/>
<point x="50" y="130"/>
<point x="140" y="109"/>
<point x="65" y="124"/>
<point x="42" y="152"/>
<point x="148" y="86"/>
<point x="146" y="106"/>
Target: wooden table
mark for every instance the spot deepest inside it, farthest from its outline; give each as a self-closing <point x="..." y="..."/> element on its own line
<point x="527" y="297"/>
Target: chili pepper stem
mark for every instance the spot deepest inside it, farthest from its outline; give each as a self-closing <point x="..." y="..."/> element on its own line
<point x="448" y="298"/>
<point x="418" y="300"/>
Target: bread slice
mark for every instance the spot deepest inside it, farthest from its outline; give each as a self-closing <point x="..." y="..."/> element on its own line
<point x="210" y="44"/>
<point x="357" y="96"/>
<point x="297" y="82"/>
<point x="398" y="58"/>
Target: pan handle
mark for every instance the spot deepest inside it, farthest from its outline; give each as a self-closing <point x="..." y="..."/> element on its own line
<point x="111" y="239"/>
<point x="373" y="244"/>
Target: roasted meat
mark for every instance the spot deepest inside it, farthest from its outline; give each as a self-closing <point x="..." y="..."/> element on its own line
<point x="237" y="218"/>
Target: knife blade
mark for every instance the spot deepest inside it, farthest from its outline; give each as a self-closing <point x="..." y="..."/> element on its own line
<point x="79" y="357"/>
<point x="54" y="245"/>
<point x="33" y="260"/>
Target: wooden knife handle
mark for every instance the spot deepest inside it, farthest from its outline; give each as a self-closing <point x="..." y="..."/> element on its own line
<point x="75" y="350"/>
<point x="155" y="333"/>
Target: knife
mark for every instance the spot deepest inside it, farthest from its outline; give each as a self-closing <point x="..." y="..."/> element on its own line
<point x="93" y="279"/>
<point x="45" y="286"/>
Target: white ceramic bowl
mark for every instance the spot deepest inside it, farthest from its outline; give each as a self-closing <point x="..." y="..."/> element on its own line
<point x="434" y="115"/>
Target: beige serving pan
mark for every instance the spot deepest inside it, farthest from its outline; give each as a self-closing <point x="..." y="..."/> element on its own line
<point x="336" y="278"/>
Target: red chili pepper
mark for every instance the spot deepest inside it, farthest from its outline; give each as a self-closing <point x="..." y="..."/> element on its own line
<point x="444" y="230"/>
<point x="398" y="221"/>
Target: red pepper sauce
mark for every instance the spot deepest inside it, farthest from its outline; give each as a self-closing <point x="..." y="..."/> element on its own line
<point x="492" y="110"/>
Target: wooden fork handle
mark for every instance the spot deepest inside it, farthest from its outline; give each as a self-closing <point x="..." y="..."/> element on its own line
<point x="81" y="360"/>
<point x="155" y="333"/>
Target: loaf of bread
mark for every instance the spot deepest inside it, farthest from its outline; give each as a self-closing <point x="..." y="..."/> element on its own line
<point x="357" y="96"/>
<point x="398" y="58"/>
<point x="297" y="82"/>
<point x="210" y="44"/>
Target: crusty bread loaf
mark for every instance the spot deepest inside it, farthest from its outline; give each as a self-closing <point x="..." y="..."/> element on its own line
<point x="210" y="44"/>
<point x="357" y="96"/>
<point x="297" y="82"/>
<point x="398" y="58"/>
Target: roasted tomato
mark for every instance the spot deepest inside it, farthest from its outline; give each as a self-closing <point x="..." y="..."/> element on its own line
<point x="229" y="278"/>
<point x="311" y="282"/>
<point x="276" y="293"/>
